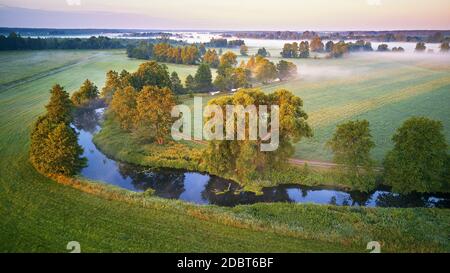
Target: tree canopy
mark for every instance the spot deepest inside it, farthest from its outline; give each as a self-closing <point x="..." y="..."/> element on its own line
<point x="419" y="160"/>
<point x="87" y="93"/>
<point x="54" y="148"/>
<point x="351" y="145"/>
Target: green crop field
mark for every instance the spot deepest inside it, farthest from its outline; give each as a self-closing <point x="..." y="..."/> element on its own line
<point x="38" y="214"/>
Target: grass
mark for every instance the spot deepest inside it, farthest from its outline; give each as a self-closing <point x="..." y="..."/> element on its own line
<point x="40" y="215"/>
<point x="383" y="89"/>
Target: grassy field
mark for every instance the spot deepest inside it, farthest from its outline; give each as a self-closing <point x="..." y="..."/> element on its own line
<point x="385" y="89"/>
<point x="38" y="214"/>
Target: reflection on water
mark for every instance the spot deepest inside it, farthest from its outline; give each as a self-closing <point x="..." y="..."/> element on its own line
<point x="205" y="189"/>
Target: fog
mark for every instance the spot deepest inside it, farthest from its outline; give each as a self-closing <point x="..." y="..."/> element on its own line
<point x="312" y="72"/>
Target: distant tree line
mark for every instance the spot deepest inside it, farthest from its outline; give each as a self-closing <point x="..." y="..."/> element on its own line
<point x="338" y="49"/>
<point x="164" y="52"/>
<point x="222" y="42"/>
<point x="379" y="36"/>
<point x="15" y="42"/>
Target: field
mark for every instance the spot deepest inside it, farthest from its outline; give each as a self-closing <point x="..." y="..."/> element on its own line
<point x="38" y="214"/>
<point x="383" y="88"/>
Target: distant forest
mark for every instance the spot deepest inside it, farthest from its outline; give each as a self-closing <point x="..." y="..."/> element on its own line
<point x="428" y="36"/>
<point x="15" y="42"/>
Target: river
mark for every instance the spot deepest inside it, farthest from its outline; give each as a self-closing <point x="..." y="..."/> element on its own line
<point x="201" y="188"/>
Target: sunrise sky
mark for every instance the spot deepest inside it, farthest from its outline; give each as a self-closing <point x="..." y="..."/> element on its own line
<point x="228" y="14"/>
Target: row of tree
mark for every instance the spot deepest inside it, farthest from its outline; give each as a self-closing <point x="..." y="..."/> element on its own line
<point x="222" y="43"/>
<point x="164" y="52"/>
<point x="337" y="50"/>
<point x="141" y="102"/>
<point x="418" y="162"/>
<point x="15" y="42"/>
<point x="257" y="70"/>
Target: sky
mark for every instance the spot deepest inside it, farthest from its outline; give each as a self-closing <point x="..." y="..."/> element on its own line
<point x="228" y="14"/>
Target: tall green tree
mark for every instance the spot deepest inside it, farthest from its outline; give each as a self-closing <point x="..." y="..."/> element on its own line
<point x="177" y="86"/>
<point x="203" y="78"/>
<point x="59" y="108"/>
<point x="111" y="85"/>
<point x="418" y="160"/>
<point x="54" y="148"/>
<point x="351" y="145"/>
<point x="190" y="83"/>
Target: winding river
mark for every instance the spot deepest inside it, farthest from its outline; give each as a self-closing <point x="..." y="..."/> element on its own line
<point x="202" y="188"/>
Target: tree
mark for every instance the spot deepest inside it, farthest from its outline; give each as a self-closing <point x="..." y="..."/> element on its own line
<point x="190" y="83"/>
<point x="351" y="145"/>
<point x="420" y="47"/>
<point x="265" y="71"/>
<point x="290" y="50"/>
<point x="228" y="59"/>
<point x="54" y="148"/>
<point x="63" y="154"/>
<point x="383" y="48"/>
<point x="112" y="84"/>
<point x="329" y="46"/>
<point x="339" y="49"/>
<point x="419" y="157"/>
<point x="211" y="58"/>
<point x="59" y="108"/>
<point x="241" y="78"/>
<point x="244" y="158"/>
<point x="153" y="107"/>
<point x="123" y="106"/>
<point x="243" y="50"/>
<point x="316" y="44"/>
<point x="445" y="47"/>
<point x="286" y="70"/>
<point x="86" y="94"/>
<point x="177" y="86"/>
<point x="262" y="52"/>
<point x="150" y="73"/>
<point x="202" y="49"/>
<point x="303" y="49"/>
<point x="203" y="78"/>
<point x="398" y="49"/>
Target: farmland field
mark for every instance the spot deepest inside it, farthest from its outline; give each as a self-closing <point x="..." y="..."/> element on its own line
<point x="40" y="215"/>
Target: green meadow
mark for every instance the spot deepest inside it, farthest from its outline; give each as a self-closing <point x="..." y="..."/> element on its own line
<point x="38" y="214"/>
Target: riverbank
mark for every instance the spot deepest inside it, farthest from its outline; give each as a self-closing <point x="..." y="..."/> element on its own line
<point x="325" y="227"/>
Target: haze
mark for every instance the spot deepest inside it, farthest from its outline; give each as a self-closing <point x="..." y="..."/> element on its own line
<point x="230" y="14"/>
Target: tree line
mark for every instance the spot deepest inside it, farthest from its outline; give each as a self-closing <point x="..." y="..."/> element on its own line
<point x="339" y="49"/>
<point x="15" y="42"/>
